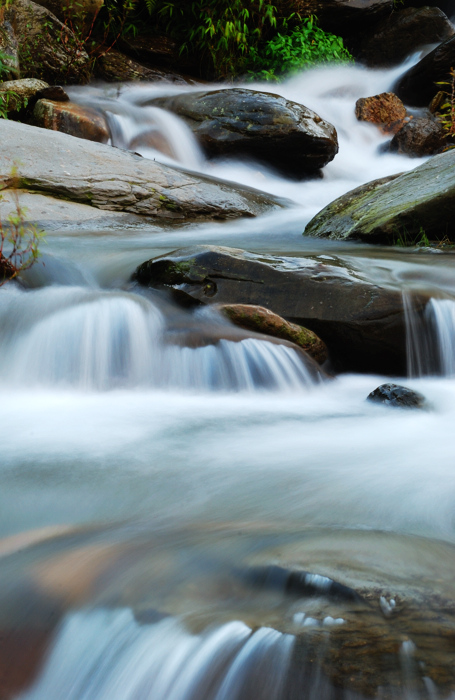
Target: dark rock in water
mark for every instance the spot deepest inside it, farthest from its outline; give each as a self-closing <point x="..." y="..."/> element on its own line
<point x="402" y="33"/>
<point x="386" y="110"/>
<point x="420" y="137"/>
<point x="245" y="123"/>
<point x="115" y="67"/>
<point x="418" y="85"/>
<point x="396" y="395"/>
<point x="362" y="324"/>
<point x="416" y="203"/>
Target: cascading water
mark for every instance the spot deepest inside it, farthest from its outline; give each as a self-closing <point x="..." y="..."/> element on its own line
<point x="431" y="339"/>
<point x="123" y="417"/>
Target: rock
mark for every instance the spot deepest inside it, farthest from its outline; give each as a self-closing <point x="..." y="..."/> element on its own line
<point x="402" y="33"/>
<point x="154" y="49"/>
<point x="346" y="17"/>
<point x="48" y="49"/>
<point x="261" y="320"/>
<point x="72" y="119"/>
<point x="420" y="137"/>
<point x="396" y="395"/>
<point x="420" y="201"/>
<point x="418" y="85"/>
<point x="55" y="93"/>
<point x="386" y="110"/>
<point x="109" y="178"/>
<point x="78" y="14"/>
<point x="10" y="50"/>
<point x="362" y="324"/>
<point x="114" y="67"/>
<point x="24" y="90"/>
<point x="249" y="124"/>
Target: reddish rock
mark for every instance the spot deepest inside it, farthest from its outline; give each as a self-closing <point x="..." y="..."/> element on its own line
<point x="72" y="119"/>
<point x="262" y="320"/>
<point x="386" y="110"/>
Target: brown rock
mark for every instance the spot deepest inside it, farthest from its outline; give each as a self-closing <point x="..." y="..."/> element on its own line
<point x="420" y="137"/>
<point x="386" y="110"/>
<point x="115" y="67"/>
<point x="55" y="93"/>
<point x="72" y="119"/>
<point x="262" y="320"/>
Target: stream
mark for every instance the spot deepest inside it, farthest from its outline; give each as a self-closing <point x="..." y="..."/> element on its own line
<point x="155" y="496"/>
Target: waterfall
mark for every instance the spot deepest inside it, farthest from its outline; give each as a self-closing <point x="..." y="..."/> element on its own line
<point x="107" y="655"/>
<point x="431" y="338"/>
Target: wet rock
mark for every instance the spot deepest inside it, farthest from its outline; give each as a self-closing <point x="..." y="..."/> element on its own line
<point x="114" y="180"/>
<point x="396" y="395"/>
<point x="420" y="201"/>
<point x="9" y="47"/>
<point x="402" y="33"/>
<point x="420" y="137"/>
<point x="24" y="90"/>
<point x="362" y="324"/>
<point x="418" y="85"/>
<point x="48" y="49"/>
<point x="249" y="124"/>
<point x="115" y="67"/>
<point x="72" y="119"/>
<point x="261" y="320"/>
<point x="386" y="110"/>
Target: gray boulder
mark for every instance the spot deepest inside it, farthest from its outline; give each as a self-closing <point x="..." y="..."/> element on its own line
<point x="55" y="164"/>
<point x="406" y="207"/>
<point x="249" y="124"/>
<point x="20" y="92"/>
<point x="420" y="137"/>
<point x="362" y="323"/>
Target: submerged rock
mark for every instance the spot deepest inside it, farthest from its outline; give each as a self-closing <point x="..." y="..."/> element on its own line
<point x="362" y="324"/>
<point x="386" y="110"/>
<point x="396" y="395"/>
<point x="416" y="204"/>
<point x="108" y="178"/>
<point x="403" y="32"/>
<point x="245" y="123"/>
<point x="418" y="85"/>
<point x="261" y="320"/>
<point x="73" y="119"/>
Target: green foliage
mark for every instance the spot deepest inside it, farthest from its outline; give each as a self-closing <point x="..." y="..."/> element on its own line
<point x="446" y="113"/>
<point x="8" y="98"/>
<point x="306" y="45"/>
<point x="19" y="239"/>
<point x="404" y="238"/>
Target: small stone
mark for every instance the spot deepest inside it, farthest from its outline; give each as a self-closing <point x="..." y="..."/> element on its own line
<point x="55" y="93"/>
<point x="396" y="395"/>
<point x="386" y="110"/>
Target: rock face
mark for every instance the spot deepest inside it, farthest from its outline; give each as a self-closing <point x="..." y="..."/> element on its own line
<point x="417" y="86"/>
<point x="48" y="49"/>
<point x="115" y="180"/>
<point x="261" y="320"/>
<point x="249" y="124"/>
<point x="362" y="324"/>
<point x="115" y="66"/>
<point x="10" y="49"/>
<point x="25" y="90"/>
<point x="76" y="12"/>
<point x="419" y="201"/>
<point x="83" y="122"/>
<point x="402" y="33"/>
<point x="420" y="137"/>
<point x="386" y="110"/>
<point x="397" y="396"/>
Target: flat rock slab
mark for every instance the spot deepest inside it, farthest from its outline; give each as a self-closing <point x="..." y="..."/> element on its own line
<point x="245" y="123"/>
<point x="65" y="167"/>
<point x="420" y="201"/>
<point x="362" y="324"/>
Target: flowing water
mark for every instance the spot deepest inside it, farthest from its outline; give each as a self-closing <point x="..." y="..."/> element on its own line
<point x="166" y="481"/>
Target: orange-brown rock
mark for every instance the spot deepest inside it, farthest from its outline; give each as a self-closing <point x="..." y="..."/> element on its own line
<point x="73" y="119"/>
<point x="386" y="110"/>
<point x="262" y="320"/>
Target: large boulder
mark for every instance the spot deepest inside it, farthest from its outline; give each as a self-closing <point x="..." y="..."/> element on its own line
<point x="416" y="205"/>
<point x="420" y="137"/>
<point x="402" y="33"/>
<point x="78" y="13"/>
<point x="114" y="67"/>
<point x="48" y="49"/>
<point x="249" y="124"/>
<point x="418" y="85"/>
<point x="73" y="119"/>
<point x="362" y="324"/>
<point x="55" y="164"/>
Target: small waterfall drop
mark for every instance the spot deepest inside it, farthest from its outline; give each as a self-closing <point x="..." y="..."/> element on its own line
<point x="431" y="338"/>
<point x="107" y="655"/>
